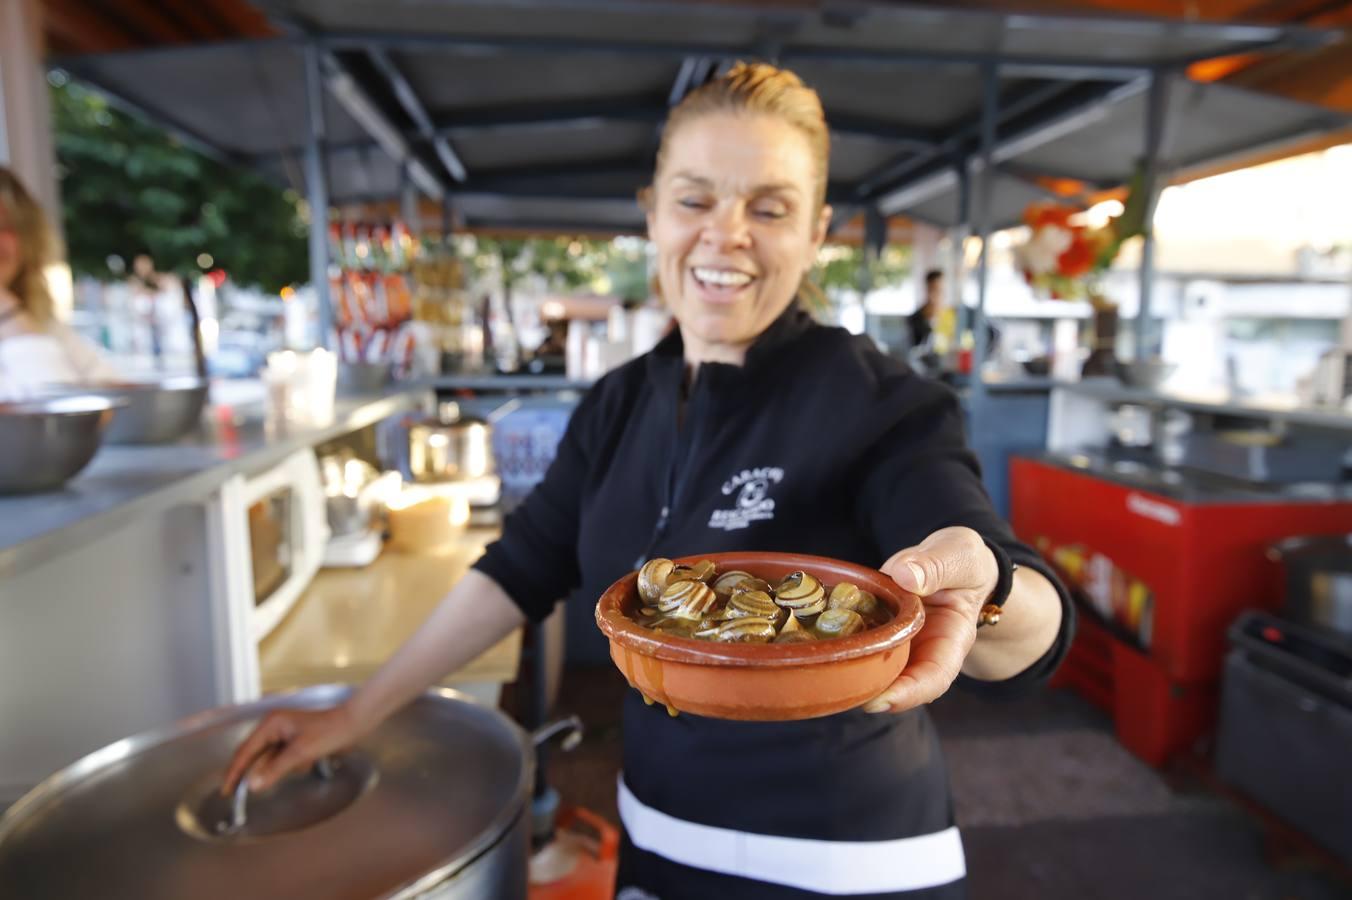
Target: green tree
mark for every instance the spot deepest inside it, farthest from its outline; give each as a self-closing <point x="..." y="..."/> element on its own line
<point x="839" y="267"/>
<point x="129" y="188"/>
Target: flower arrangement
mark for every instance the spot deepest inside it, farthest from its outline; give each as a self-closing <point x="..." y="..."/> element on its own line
<point x="1064" y="258"/>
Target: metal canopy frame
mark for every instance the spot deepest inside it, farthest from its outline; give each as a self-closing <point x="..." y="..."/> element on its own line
<point x="1027" y="98"/>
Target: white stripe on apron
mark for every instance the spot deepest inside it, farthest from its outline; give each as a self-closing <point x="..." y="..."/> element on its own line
<point x="828" y="867"/>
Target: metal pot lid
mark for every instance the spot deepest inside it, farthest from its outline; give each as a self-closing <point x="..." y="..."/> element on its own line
<point x="431" y="790"/>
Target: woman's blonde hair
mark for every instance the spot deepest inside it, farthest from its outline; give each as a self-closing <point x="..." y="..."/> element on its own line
<point x="760" y="88"/>
<point x="37" y="247"/>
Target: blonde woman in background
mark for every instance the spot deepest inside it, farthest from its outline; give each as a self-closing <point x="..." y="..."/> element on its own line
<point x="36" y="350"/>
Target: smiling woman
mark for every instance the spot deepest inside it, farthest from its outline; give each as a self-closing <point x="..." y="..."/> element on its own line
<point x="752" y="428"/>
<point x="737" y="224"/>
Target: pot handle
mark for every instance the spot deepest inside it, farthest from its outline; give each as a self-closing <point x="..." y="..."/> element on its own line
<point x="572" y="725"/>
<point x="323" y="769"/>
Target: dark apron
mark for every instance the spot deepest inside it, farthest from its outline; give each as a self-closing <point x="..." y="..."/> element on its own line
<point x="848" y="777"/>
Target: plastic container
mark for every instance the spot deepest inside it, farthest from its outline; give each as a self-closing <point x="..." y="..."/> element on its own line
<point x="1286" y="725"/>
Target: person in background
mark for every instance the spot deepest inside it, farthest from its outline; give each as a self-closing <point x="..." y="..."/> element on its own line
<point x="36" y="350"/>
<point x="921" y="322"/>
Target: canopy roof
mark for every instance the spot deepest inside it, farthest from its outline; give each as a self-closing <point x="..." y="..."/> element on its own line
<point x="546" y="113"/>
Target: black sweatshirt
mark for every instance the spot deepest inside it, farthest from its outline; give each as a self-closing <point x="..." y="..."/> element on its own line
<point x="819" y="444"/>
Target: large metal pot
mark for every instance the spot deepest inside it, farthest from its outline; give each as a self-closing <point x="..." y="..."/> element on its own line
<point x="47" y="441"/>
<point x="153" y="412"/>
<point x="1318" y="580"/>
<point x="433" y="804"/>
<point x="451" y="447"/>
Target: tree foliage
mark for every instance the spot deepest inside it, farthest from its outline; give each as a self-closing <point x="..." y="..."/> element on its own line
<point x="129" y="188"/>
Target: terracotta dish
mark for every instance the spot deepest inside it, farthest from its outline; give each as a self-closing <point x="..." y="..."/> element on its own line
<point x="763" y="682"/>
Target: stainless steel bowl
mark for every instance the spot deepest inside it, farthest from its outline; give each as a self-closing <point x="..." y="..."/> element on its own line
<point x="1148" y="374"/>
<point x="47" y="441"/>
<point x="153" y="412"/>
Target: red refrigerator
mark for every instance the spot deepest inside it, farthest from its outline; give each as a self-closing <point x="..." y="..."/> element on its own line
<point x="1162" y="564"/>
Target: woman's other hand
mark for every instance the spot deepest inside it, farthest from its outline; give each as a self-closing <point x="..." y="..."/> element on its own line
<point x="290" y="739"/>
<point x="954" y="572"/>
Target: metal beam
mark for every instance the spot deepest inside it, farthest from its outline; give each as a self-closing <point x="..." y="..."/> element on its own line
<point x="1047" y="128"/>
<point x="155" y="117"/>
<point x="408" y="99"/>
<point x="317" y="191"/>
<point x="1152" y="183"/>
<point x="361" y="106"/>
<point x="1019" y="102"/>
<point x="1067" y="66"/>
<point x="554" y="115"/>
<point x="990" y="112"/>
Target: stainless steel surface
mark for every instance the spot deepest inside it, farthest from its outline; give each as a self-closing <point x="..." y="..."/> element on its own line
<point x="126" y="485"/>
<point x="443" y="818"/>
<point x="363" y="377"/>
<point x="50" y="440"/>
<point x="1318" y="580"/>
<point x="153" y="412"/>
<point x="332" y="785"/>
<point x="450" y="447"/>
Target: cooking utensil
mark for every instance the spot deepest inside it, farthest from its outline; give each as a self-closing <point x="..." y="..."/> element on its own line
<point x="47" y="441"/>
<point x="763" y="682"/>
<point x="1318" y="580"/>
<point x="1147" y="374"/>
<point x="432" y="804"/>
<point x="153" y="412"/>
<point x="451" y="447"/>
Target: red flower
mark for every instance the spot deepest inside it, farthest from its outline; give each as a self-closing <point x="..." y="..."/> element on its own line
<point x="1040" y="214"/>
<point x="1078" y="258"/>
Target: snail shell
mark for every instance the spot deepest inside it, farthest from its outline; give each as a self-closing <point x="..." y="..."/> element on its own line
<point x="839" y="623"/>
<point x="704" y="571"/>
<point x="801" y="594"/>
<point x="753" y="584"/>
<point x="653" y="578"/>
<point x="726" y="583"/>
<point x="757" y="604"/>
<point x="850" y="596"/>
<point x="793" y="632"/>
<point x="691" y="600"/>
<point x="748" y="629"/>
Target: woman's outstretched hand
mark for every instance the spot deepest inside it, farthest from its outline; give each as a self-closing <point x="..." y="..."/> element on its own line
<point x="954" y="572"/>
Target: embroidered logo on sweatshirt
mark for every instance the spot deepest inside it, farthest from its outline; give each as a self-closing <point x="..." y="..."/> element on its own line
<point x="752" y="503"/>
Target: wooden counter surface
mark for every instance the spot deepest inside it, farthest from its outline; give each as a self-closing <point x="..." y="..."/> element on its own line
<point x="349" y="621"/>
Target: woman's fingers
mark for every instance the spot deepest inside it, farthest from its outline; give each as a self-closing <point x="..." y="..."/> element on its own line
<point x="937" y="655"/>
<point x="950" y="559"/>
<point x="268" y="733"/>
<point x="296" y="755"/>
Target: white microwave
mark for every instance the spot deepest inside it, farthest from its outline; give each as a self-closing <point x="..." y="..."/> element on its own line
<point x="267" y="532"/>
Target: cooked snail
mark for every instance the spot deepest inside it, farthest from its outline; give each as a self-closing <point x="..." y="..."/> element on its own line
<point x="839" y="623"/>
<point x="793" y="632"/>
<point x="697" y="601"/>
<point x="704" y="570"/>
<point x="653" y="578"/>
<point x="752" y="603"/>
<point x="801" y="594"/>
<point x="748" y="629"/>
<point x="726" y="583"/>
<point x="849" y="596"/>
<point x="690" y="600"/>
